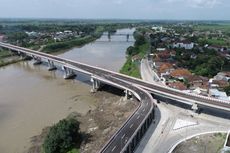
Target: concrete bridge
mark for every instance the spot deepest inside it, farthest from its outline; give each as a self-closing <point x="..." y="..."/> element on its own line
<point x="131" y="132"/>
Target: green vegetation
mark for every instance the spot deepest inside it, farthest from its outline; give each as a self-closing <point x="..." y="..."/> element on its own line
<point x="4" y="54"/>
<point x="212" y="27"/>
<point x="59" y="46"/>
<point x="4" y="63"/>
<point x="74" y="151"/>
<point x="227" y="90"/>
<point x="212" y="41"/>
<point x="141" y="46"/>
<point x="131" y="68"/>
<point x="63" y="137"/>
<point x="207" y="63"/>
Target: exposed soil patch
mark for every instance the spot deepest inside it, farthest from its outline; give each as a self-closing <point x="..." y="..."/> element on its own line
<point x="98" y="125"/>
<point x="208" y="143"/>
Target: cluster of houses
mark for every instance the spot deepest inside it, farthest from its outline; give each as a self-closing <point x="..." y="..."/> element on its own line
<point x="183" y="79"/>
<point x="165" y="65"/>
<point x="56" y="36"/>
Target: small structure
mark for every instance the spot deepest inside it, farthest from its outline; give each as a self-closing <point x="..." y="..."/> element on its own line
<point x="218" y="94"/>
<point x="196" y="81"/>
<point x="177" y="85"/>
<point x="161" y="49"/>
<point x="216" y="48"/>
<point x="1" y="38"/>
<point x="181" y="74"/>
<point x="184" y="44"/>
<point x="222" y="76"/>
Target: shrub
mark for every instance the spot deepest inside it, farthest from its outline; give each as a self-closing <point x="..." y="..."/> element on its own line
<point x="62" y="137"/>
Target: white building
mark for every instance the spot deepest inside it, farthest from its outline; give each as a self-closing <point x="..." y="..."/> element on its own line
<point x="159" y="29"/>
<point x="184" y="44"/>
<point x="218" y="94"/>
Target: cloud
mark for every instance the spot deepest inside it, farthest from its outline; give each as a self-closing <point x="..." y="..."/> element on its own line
<point x="198" y="3"/>
<point x="204" y="3"/>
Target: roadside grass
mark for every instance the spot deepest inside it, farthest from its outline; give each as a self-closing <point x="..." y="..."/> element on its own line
<point x="131" y="68"/>
<point x="74" y="151"/>
<point x="4" y="53"/>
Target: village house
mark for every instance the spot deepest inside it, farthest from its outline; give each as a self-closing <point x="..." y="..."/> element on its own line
<point x="219" y="84"/>
<point x="136" y="58"/>
<point x="177" y="85"/>
<point x="164" y="55"/>
<point x="216" y="48"/>
<point x="196" y="81"/>
<point x="218" y="94"/>
<point x="180" y="74"/>
<point x="222" y="76"/>
<point x="165" y="69"/>
<point x="183" y="44"/>
<point x="173" y="53"/>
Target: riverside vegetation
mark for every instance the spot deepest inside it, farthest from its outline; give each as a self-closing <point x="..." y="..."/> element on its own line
<point x="135" y="54"/>
<point x="40" y="35"/>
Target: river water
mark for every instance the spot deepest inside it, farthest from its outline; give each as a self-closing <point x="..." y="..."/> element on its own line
<point x="32" y="98"/>
<point x="102" y="53"/>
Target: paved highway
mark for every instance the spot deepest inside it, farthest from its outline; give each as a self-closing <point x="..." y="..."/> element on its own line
<point x="120" y="141"/>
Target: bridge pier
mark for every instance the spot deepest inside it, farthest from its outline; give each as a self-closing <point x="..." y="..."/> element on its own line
<point x="95" y="85"/>
<point x="127" y="37"/>
<point x="23" y="56"/>
<point x="68" y="73"/>
<point x="51" y="66"/>
<point x="195" y="107"/>
<point x="128" y="94"/>
<point x="37" y="61"/>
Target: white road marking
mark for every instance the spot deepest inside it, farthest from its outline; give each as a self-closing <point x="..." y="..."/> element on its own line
<point x="131" y="126"/>
<point x="114" y="148"/>
<point x="138" y="116"/>
<point x="123" y="136"/>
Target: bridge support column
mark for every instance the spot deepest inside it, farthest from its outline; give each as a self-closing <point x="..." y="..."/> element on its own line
<point x="195" y="107"/>
<point x="68" y="73"/>
<point x="51" y="66"/>
<point x="95" y="85"/>
<point x="23" y="56"/>
<point x="37" y="61"/>
<point x="128" y="94"/>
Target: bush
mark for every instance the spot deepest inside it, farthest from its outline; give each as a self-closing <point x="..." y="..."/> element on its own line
<point x="62" y="137"/>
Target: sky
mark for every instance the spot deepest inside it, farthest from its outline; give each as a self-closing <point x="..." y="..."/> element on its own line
<point x="117" y="9"/>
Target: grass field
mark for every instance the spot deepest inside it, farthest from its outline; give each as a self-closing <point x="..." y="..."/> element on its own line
<point x="205" y="27"/>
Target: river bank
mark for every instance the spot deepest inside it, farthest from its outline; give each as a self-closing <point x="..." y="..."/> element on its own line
<point x="134" y="55"/>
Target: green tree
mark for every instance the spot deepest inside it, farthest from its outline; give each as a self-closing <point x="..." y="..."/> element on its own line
<point x="227" y="90"/>
<point x="62" y="137"/>
<point x="140" y="39"/>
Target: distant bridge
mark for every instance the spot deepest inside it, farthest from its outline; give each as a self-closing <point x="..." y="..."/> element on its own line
<point x="127" y="35"/>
